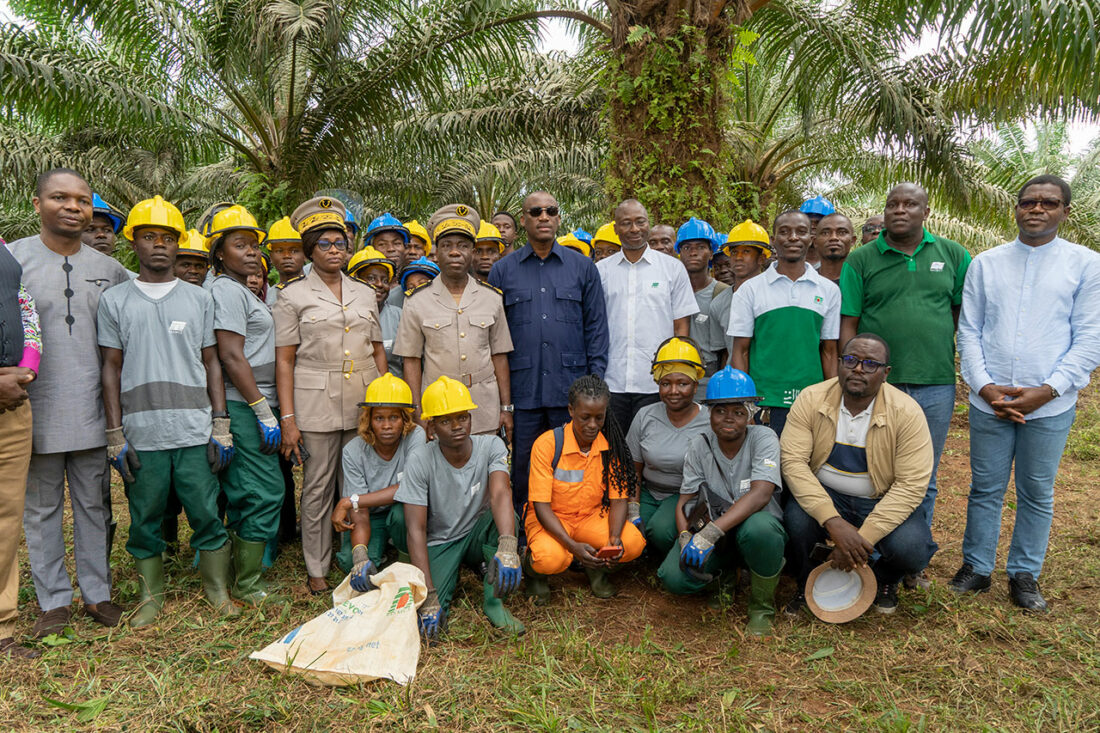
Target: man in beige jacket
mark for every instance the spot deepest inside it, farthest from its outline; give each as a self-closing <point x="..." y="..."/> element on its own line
<point x="856" y="457"/>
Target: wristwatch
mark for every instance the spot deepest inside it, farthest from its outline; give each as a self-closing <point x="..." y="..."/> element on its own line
<point x="354" y="502"/>
<point x="507" y="408"/>
<point x="1053" y="393"/>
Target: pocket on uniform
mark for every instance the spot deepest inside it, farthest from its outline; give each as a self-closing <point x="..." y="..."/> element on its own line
<point x="311" y="380"/>
<point x="485" y="322"/>
<point x="574" y="364"/>
<point x="517" y="304"/>
<point x="567" y="305"/>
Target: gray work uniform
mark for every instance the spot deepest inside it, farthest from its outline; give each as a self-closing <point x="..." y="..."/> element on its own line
<point x="700" y="324"/>
<point x="719" y="322"/>
<point x="458" y="340"/>
<point x="69" y="428"/>
<point x="728" y="479"/>
<point x="660" y="447"/>
<point x="239" y="311"/>
<point x="365" y="471"/>
<point x="390" y="317"/>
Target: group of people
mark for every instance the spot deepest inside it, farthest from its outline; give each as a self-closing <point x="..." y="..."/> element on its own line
<point x="716" y="401"/>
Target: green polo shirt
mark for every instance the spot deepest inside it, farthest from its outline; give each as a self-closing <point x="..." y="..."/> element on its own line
<point x="908" y="300"/>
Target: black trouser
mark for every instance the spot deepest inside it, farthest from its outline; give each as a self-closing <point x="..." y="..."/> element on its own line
<point x="529" y="425"/>
<point x="625" y="405"/>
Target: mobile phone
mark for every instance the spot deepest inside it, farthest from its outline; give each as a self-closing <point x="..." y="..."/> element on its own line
<point x="609" y="552"/>
<point x="302" y="452"/>
<point x="821" y="552"/>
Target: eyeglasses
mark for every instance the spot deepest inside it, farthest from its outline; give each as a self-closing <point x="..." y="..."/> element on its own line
<point x="1047" y="204"/>
<point x="869" y="365"/>
<point x="536" y="211"/>
<point x="341" y="244"/>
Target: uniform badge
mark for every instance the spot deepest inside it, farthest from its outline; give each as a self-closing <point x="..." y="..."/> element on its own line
<point x="325" y="203"/>
<point x="462" y="210"/>
<point x="818" y="299"/>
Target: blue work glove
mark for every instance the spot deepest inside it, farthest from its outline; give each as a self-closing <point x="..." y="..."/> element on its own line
<point x="634" y="514"/>
<point x="695" y="553"/>
<point x="271" y="436"/>
<point x="504" y="571"/>
<point x="219" y="451"/>
<point x="121" y="455"/>
<point x="430" y="616"/>
<point x="361" y="570"/>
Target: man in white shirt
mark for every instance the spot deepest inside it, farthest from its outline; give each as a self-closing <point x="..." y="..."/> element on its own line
<point x="649" y="299"/>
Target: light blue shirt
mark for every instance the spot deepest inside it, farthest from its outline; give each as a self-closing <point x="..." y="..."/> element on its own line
<point x="1031" y="316"/>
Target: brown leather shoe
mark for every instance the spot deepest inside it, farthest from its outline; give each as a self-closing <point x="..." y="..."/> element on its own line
<point x="53" y="621"/>
<point x="11" y="650"/>
<point x="105" y="613"/>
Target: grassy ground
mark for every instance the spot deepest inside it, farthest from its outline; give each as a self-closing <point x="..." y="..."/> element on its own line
<point x="642" y="661"/>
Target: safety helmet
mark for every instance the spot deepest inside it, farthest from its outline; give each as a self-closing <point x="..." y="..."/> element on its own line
<point x="265" y="263"/>
<point x="606" y="233"/>
<point x="445" y="396"/>
<point x="489" y="233"/>
<point x="388" y="391"/>
<point x="350" y="223"/>
<point x="386" y="223"/>
<point x="416" y="229"/>
<point x="730" y="385"/>
<point x="208" y="216"/>
<point x="694" y="229"/>
<point x="422" y="265"/>
<point x="719" y="240"/>
<point x="677" y="350"/>
<point x="233" y="218"/>
<point x="102" y="208"/>
<point x="582" y="235"/>
<point x="194" y="244"/>
<point x="572" y="241"/>
<point x="749" y="233"/>
<point x="369" y="256"/>
<point x="282" y="231"/>
<point x="154" y="212"/>
<point x="817" y="206"/>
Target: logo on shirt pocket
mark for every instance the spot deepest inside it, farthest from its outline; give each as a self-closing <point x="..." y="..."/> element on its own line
<point x="177" y="326"/>
<point x="936" y="266"/>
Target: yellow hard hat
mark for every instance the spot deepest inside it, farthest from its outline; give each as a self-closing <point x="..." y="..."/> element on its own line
<point x="208" y="216"/>
<point x="606" y="233"/>
<point x="416" y="229"/>
<point x="282" y="231"/>
<point x="748" y="233"/>
<point x="578" y="244"/>
<point x="445" y="396"/>
<point x="489" y="233"/>
<point x="388" y="391"/>
<point x="677" y="350"/>
<point x="369" y="256"/>
<point x="193" y="243"/>
<point x="233" y="218"/>
<point x="265" y="262"/>
<point x="154" y="212"/>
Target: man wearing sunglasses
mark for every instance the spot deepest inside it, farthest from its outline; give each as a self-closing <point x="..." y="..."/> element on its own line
<point x="856" y="455"/>
<point x="1029" y="338"/>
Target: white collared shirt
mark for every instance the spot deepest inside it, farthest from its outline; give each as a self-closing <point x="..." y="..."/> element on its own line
<point x="643" y="299"/>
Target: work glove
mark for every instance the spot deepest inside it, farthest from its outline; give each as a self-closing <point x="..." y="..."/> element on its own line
<point x="504" y="572"/>
<point x="695" y="553"/>
<point x="430" y="616"/>
<point x="361" y="569"/>
<point x="219" y="451"/>
<point x="684" y="538"/>
<point x="121" y="455"/>
<point x="634" y="514"/>
<point x="271" y="436"/>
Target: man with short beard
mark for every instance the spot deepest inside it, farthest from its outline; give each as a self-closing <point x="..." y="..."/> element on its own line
<point x="833" y="241"/>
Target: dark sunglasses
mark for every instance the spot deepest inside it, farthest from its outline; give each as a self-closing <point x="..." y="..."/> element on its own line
<point x="536" y="211"/>
<point x="869" y="365"/>
<point x="1047" y="204"/>
<point x="326" y="246"/>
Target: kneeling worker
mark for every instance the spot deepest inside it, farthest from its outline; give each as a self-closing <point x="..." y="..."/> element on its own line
<point x="457" y="507"/>
<point x="733" y="470"/>
<point x="581" y="476"/>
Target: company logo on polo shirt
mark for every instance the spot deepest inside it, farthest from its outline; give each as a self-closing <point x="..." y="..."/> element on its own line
<point x="818" y="299"/>
<point x="655" y="285"/>
<point x="937" y="266"/>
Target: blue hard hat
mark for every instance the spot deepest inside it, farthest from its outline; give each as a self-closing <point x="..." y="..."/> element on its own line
<point x="101" y="207"/>
<point x="720" y="239"/>
<point x="387" y="223"/>
<point x="350" y="223"/>
<point x="582" y="235"/>
<point x="730" y="385"/>
<point x="695" y="229"/>
<point x="422" y="265"/>
<point x="818" y="205"/>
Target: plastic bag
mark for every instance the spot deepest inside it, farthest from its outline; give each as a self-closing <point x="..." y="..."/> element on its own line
<point x="366" y="636"/>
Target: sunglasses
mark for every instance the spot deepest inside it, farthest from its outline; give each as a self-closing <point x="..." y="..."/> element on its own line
<point x="326" y="246"/>
<point x="536" y="211"/>
<point x="1046" y="204"/>
<point x="869" y="365"/>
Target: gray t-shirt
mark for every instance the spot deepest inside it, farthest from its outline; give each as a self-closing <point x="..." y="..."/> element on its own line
<point x="728" y="479"/>
<point x="66" y="398"/>
<point x="719" y="321"/>
<point x="455" y="497"/>
<point x="164" y="400"/>
<point x="660" y="446"/>
<point x="365" y="471"/>
<point x="700" y="324"/>
<point x="389" y="318"/>
<point x="238" y="310"/>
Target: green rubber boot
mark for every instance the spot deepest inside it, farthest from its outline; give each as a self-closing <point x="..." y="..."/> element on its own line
<point x="496" y="612"/>
<point x="762" y="604"/>
<point x="214" y="569"/>
<point x="601" y="585"/>
<point x="151" y="573"/>
<point x="248" y="584"/>
<point x="536" y="585"/>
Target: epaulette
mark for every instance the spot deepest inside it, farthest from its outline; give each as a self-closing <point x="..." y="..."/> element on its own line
<point x="496" y="290"/>
<point x="280" y="286"/>
<point x="417" y="289"/>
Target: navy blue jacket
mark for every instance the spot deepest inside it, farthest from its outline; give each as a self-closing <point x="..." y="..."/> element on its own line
<point x="558" y="320"/>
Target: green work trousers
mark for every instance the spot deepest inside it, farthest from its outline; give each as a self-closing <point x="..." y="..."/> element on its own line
<point x="444" y="560"/>
<point x="757" y="542"/>
<point x="252" y="482"/>
<point x="188" y="471"/>
<point x="376" y="545"/>
<point x="658" y="521"/>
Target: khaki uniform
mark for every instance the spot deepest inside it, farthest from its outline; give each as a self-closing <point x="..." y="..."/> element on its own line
<point x="458" y="341"/>
<point x="334" y="364"/>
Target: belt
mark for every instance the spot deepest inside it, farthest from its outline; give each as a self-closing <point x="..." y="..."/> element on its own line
<point x="347" y="366"/>
<point x="481" y="375"/>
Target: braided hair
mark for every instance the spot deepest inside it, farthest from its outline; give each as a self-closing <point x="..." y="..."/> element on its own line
<point x="618" y="464"/>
